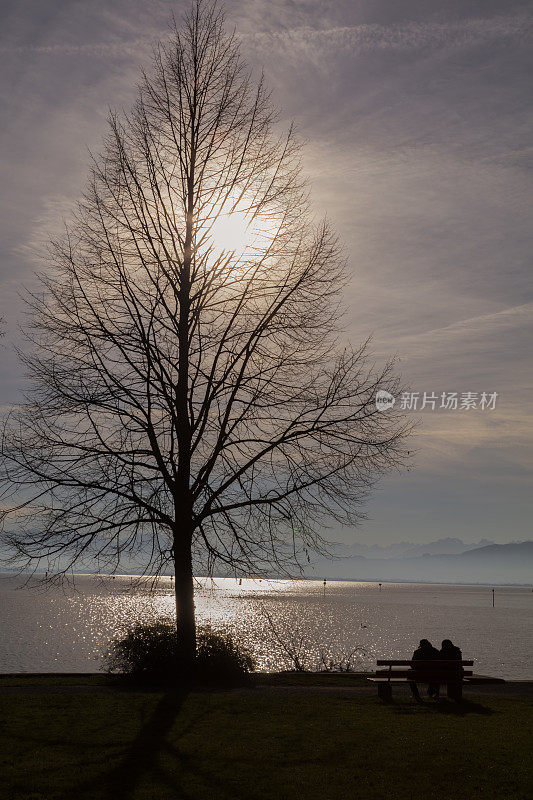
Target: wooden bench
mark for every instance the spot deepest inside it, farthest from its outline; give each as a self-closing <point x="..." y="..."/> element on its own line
<point x="436" y="671"/>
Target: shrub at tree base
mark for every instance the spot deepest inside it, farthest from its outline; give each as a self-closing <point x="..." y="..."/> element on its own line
<point x="149" y="652"/>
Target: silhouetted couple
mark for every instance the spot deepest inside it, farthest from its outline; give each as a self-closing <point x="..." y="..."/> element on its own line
<point x="448" y="652"/>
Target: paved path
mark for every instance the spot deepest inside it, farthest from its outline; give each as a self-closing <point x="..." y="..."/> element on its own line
<point x="508" y="689"/>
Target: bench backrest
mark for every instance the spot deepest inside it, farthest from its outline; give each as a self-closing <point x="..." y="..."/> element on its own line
<point x="436" y="662"/>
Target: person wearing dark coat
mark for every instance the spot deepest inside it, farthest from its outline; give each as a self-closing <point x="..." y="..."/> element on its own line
<point x="449" y="652"/>
<point x="424" y="652"/>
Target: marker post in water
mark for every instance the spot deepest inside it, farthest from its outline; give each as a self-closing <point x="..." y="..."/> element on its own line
<point x="493" y="598"/>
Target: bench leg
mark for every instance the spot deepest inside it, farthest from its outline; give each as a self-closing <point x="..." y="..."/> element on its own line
<point x="385" y="692"/>
<point x="455" y="691"/>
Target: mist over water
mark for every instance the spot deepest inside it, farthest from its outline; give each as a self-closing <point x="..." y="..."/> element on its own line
<point x="67" y="630"/>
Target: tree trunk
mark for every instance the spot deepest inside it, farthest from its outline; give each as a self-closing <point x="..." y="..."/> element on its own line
<point x="185" y="617"/>
<point x="184" y="586"/>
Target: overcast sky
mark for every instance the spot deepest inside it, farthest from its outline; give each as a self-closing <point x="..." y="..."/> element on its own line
<point x="417" y="116"/>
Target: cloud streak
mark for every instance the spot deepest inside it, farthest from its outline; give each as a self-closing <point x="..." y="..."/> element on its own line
<point x="336" y="41"/>
<point x="97" y="50"/>
<point x="399" y="37"/>
<point x="506" y="319"/>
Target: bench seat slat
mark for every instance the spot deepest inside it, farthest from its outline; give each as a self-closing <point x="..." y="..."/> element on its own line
<point x="406" y="680"/>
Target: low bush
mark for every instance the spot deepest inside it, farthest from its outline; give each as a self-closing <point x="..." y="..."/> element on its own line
<point x="220" y="659"/>
<point x="148" y="652"/>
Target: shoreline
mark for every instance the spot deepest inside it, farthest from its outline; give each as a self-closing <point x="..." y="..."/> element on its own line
<point x="383" y="581"/>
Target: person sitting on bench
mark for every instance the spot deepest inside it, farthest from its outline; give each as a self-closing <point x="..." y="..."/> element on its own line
<point x="449" y="652"/>
<point x="425" y="652"/>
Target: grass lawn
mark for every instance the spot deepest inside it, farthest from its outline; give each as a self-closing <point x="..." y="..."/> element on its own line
<point x="282" y="746"/>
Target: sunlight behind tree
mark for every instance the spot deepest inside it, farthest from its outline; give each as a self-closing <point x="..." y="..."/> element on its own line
<point x="191" y="407"/>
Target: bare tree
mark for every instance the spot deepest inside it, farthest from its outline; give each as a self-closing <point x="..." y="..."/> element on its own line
<point x="190" y="403"/>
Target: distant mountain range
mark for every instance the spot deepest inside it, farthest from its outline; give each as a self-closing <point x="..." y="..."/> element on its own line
<point x="448" y="546"/>
<point x="491" y="563"/>
<point x="446" y="560"/>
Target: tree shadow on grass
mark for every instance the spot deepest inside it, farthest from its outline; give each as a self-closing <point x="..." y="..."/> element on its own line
<point x="144" y="760"/>
<point x="141" y="757"/>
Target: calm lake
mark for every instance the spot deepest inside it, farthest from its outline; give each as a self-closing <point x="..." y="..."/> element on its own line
<point x="67" y="630"/>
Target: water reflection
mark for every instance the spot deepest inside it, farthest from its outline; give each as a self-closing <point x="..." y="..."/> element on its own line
<point x="68" y="630"/>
